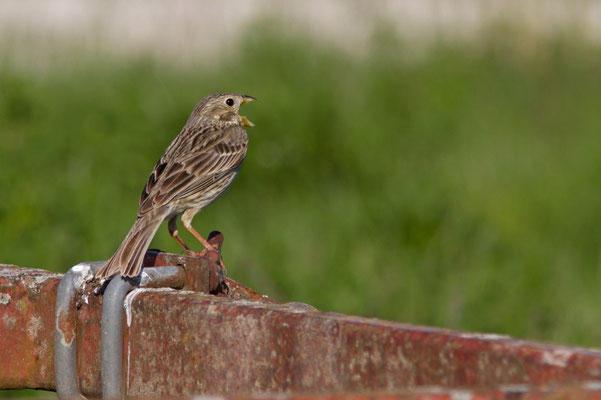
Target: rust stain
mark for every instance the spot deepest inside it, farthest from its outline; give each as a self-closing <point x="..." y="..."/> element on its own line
<point x="88" y="342"/>
<point x="66" y="326"/>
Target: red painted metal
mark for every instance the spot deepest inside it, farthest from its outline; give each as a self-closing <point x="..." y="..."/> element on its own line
<point x="27" y="327"/>
<point x="239" y="343"/>
<point x="582" y="392"/>
<point x="242" y="348"/>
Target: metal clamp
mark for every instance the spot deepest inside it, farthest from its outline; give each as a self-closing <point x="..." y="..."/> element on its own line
<point x="111" y="340"/>
<point x="65" y="344"/>
<point x="202" y="273"/>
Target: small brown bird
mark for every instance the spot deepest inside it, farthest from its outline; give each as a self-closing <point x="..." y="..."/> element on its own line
<point x="196" y="169"/>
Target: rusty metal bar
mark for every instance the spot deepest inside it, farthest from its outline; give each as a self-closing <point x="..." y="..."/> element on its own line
<point x="219" y="346"/>
<point x="112" y="321"/>
<point x="239" y="344"/>
<point x="28" y="320"/>
<point x="65" y="342"/>
<point x="27" y="299"/>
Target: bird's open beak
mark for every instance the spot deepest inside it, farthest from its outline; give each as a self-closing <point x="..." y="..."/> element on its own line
<point x="245" y="121"/>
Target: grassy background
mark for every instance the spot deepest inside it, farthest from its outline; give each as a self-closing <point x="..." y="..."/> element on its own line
<point x="457" y="187"/>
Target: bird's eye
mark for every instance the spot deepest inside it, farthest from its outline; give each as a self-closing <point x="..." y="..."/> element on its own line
<point x="229" y="102"/>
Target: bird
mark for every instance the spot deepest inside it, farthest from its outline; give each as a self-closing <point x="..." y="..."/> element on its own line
<point x="197" y="168"/>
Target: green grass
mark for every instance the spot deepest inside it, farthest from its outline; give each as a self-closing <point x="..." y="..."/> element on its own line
<point x="457" y="188"/>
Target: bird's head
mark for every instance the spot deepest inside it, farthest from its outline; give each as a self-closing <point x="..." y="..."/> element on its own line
<point x="221" y="109"/>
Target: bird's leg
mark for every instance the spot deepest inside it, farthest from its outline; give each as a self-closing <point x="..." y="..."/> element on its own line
<point x="200" y="238"/>
<point x="211" y="250"/>
<point x="214" y="255"/>
<point x="172" y="226"/>
<point x="187" y="222"/>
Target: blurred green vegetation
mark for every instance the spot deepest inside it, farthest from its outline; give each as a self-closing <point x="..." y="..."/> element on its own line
<point x="455" y="186"/>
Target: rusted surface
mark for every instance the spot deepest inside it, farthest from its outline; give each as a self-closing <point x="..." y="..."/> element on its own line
<point x="237" y="290"/>
<point x="182" y="343"/>
<point x="27" y="299"/>
<point x="198" y="269"/>
<point x="221" y="346"/>
<point x="507" y="392"/>
<point x="202" y="272"/>
<point x="27" y="302"/>
<point x="88" y="343"/>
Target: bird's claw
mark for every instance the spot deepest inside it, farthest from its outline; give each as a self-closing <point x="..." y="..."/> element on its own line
<point x="212" y="254"/>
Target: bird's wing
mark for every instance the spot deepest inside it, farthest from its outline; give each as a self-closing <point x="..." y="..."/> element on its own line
<point x="191" y="166"/>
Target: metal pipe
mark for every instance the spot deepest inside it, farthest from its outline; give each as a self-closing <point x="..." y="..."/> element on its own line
<point x="65" y="345"/>
<point x="111" y="335"/>
<point x="111" y="343"/>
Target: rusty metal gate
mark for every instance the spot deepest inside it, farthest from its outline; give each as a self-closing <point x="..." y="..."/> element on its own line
<point x="202" y="334"/>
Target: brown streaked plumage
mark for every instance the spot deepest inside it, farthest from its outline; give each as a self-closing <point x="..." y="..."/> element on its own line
<point x="196" y="169"/>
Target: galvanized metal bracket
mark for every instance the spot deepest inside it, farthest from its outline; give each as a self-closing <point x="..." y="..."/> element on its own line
<point x="200" y="274"/>
<point x="111" y="335"/>
<point x="111" y="339"/>
<point x="65" y="356"/>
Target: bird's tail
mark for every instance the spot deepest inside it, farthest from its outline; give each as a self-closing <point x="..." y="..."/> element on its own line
<point x="130" y="254"/>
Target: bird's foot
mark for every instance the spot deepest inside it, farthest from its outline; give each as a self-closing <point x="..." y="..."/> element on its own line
<point x="213" y="251"/>
<point x="214" y="255"/>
